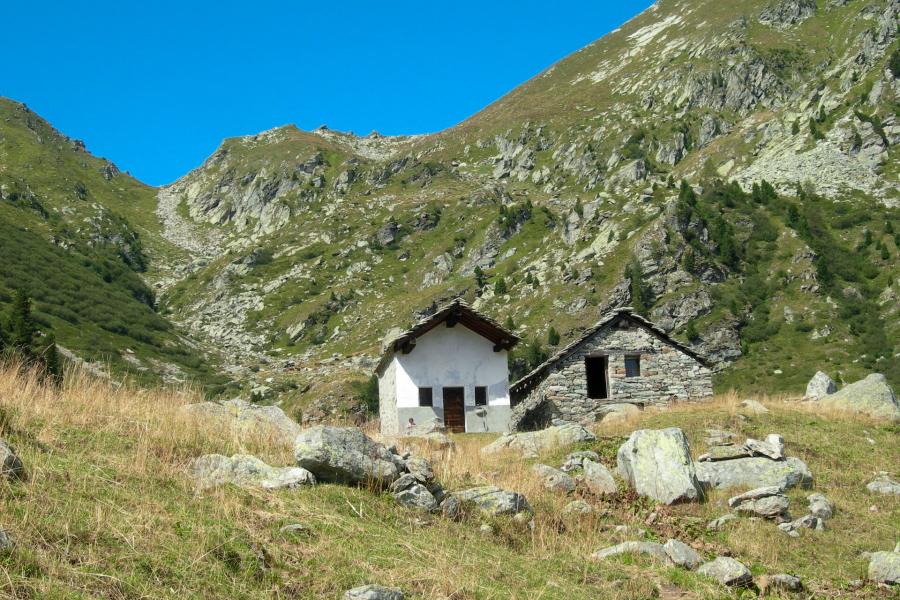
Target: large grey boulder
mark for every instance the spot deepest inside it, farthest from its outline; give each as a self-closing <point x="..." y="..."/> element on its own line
<point x="613" y="412"/>
<point x="345" y="455"/>
<point x="11" y="466"/>
<point x="658" y="464"/>
<point x="884" y="567"/>
<point x="248" y="419"/>
<point x="727" y="571"/>
<point x="213" y="470"/>
<point x="554" y="479"/>
<point x="819" y="386"/>
<point x="494" y="501"/>
<point x="754" y="472"/>
<point x="651" y="549"/>
<point x="884" y="484"/>
<point x="373" y="592"/>
<point x="871" y="396"/>
<point x="531" y="443"/>
<point x="597" y="479"/>
<point x="417" y="497"/>
<point x="820" y="506"/>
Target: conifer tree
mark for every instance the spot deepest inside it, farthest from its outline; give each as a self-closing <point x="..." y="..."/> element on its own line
<point x="640" y="294"/>
<point x="553" y="336"/>
<point x="500" y="287"/>
<point x="49" y="356"/>
<point x="21" y="326"/>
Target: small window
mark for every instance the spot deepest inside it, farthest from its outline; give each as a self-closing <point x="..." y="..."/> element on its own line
<point x="426" y="397"/>
<point x="480" y="395"/>
<point x="632" y="366"/>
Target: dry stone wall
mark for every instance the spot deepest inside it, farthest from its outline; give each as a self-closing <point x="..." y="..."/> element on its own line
<point x="666" y="374"/>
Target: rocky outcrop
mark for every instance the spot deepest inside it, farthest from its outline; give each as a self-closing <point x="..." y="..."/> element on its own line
<point x="658" y="464"/>
<point x="871" y="396"/>
<point x="346" y="455"/>
<point x="213" y="470"/>
<point x="786" y="13"/>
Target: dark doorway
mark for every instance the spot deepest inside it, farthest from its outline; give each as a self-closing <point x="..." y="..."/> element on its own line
<point x="595" y="369"/>
<point x="455" y="409"/>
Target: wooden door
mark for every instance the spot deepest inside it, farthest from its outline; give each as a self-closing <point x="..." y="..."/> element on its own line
<point x="455" y="409"/>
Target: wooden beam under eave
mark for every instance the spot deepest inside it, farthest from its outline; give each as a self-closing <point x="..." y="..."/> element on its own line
<point x="452" y="320"/>
<point x="408" y="346"/>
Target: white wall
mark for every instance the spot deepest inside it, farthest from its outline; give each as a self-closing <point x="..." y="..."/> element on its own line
<point x="452" y="357"/>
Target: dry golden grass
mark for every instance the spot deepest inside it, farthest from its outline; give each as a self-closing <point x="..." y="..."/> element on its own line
<point x="108" y="510"/>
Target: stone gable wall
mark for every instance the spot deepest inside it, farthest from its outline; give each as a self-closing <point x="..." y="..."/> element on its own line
<point x="667" y="375"/>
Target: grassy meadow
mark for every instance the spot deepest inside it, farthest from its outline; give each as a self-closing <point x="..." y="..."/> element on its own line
<point x="108" y="511"/>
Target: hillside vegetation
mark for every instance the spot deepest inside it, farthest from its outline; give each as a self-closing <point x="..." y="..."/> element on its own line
<point x="108" y="510"/>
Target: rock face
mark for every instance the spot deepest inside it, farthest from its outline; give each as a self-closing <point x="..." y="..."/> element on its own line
<point x="248" y="418"/>
<point x="597" y="479"/>
<point x="884" y="484"/>
<point x="11" y="466"/>
<point x="819" y="386"/>
<point x="884" y="567"/>
<point x="788" y="12"/>
<point x="755" y="472"/>
<point x="213" y="470"/>
<point x="532" y="442"/>
<point x="494" y="501"/>
<point x="658" y="464"/>
<point x="871" y="396"/>
<point x="345" y="455"/>
<point x="727" y="571"/>
<point x="373" y="592"/>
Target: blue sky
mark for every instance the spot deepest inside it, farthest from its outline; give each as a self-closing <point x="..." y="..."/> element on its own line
<point x="155" y="86"/>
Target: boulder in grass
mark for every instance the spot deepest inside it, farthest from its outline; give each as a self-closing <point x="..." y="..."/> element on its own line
<point x="658" y="464"/>
<point x="373" y="592"/>
<point x="765" y="502"/>
<point x="755" y="472"/>
<point x="727" y="571"/>
<point x="884" y="567"/>
<point x="248" y="419"/>
<point x="531" y="443"/>
<point x="682" y="555"/>
<point x="416" y="497"/>
<point x="554" y="479"/>
<point x="597" y="479"/>
<point x="346" y="455"/>
<point x="577" y="507"/>
<point x="11" y="466"/>
<point x="243" y="470"/>
<point x="494" y="501"/>
<point x="781" y="582"/>
<point x="651" y="549"/>
<point x="819" y="386"/>
<point x="772" y="447"/>
<point x="884" y="484"/>
<point x="820" y="506"/>
<point x="871" y="396"/>
<point x="575" y="460"/>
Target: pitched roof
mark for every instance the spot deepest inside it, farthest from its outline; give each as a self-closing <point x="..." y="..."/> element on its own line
<point x="456" y="312"/>
<point x="609" y="319"/>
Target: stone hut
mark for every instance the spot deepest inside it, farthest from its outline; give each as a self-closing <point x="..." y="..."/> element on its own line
<point x="623" y="359"/>
<point x="448" y="371"/>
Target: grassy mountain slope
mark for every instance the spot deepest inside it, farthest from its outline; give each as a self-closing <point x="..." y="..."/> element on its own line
<point x="317" y="244"/>
<point x="75" y="234"/>
<point x="109" y="510"/>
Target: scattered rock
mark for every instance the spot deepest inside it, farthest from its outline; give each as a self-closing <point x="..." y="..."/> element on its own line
<point x="772" y="447"/>
<point x="755" y="472"/>
<point x="755" y="407"/>
<point x="718" y="437"/>
<point x="724" y="453"/>
<point x="345" y="455"/>
<point x="884" y="484"/>
<point x="658" y="464"/>
<point x="451" y="508"/>
<point x="11" y="466"/>
<point x="655" y="551"/>
<point x="578" y="507"/>
<point x="682" y="555"/>
<point x="576" y="460"/>
<point x="820" y="506"/>
<point x="819" y="386"/>
<point x="213" y="470"/>
<point x="554" y="479"/>
<point x="871" y="396"/>
<point x="6" y="541"/>
<point x="248" y="419"/>
<point x="373" y="592"/>
<point x="494" y="501"/>
<point x="782" y="582"/>
<point x="598" y="479"/>
<point x="766" y="502"/>
<point x="530" y="443"/>
<point x="613" y="412"/>
<point x="717" y="524"/>
<point x="416" y="497"/>
<point x="884" y="567"/>
<point x="727" y="571"/>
